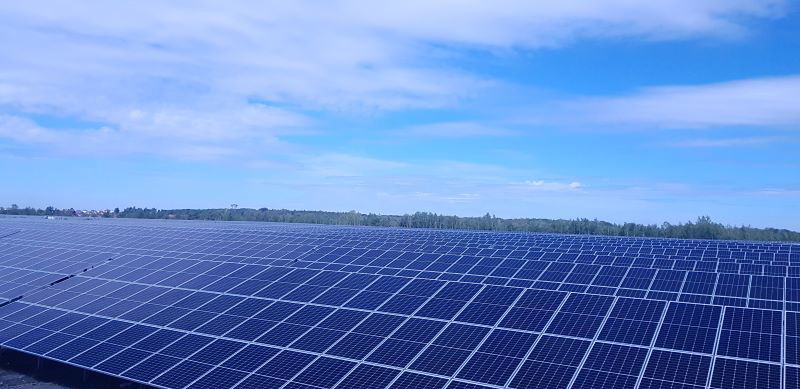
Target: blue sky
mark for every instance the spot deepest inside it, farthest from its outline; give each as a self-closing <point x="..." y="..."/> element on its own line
<point x="620" y="110"/>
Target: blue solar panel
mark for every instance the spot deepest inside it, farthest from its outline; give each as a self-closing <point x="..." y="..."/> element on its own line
<point x="253" y="305"/>
<point x="731" y="373"/>
<point x="489" y="368"/>
<point x="667" y="368"/>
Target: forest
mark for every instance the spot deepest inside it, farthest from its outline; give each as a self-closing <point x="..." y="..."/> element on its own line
<point x="702" y="228"/>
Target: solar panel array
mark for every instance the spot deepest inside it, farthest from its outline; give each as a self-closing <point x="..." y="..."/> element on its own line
<point x="257" y="305"/>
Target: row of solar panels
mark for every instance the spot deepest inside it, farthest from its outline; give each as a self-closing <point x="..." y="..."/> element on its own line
<point x="273" y="322"/>
<point x="440" y="238"/>
<point x="259" y="279"/>
<point x="776" y="266"/>
<point x="424" y="261"/>
<point x="504" y="267"/>
<point x="346" y="255"/>
<point x="304" y="342"/>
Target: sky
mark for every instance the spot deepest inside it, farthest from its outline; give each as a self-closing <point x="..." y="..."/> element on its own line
<point x="621" y="110"/>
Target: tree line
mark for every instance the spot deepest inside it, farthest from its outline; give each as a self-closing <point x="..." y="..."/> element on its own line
<point x="702" y="228"/>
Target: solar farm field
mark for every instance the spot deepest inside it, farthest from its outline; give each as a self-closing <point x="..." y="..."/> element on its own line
<point x="176" y="304"/>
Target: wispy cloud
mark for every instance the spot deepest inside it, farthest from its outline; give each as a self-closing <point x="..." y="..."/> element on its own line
<point x="169" y="72"/>
<point x="180" y="134"/>
<point x="458" y="129"/>
<point x="344" y="165"/>
<point x="778" y="192"/>
<point x="537" y="24"/>
<point x="457" y="191"/>
<point x="553" y="186"/>
<point x="753" y="102"/>
<point x="729" y="142"/>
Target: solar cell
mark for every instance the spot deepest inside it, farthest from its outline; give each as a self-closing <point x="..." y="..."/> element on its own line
<point x="254" y="305"/>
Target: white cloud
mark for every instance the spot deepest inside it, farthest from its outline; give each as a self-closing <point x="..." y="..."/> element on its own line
<point x="344" y="165"/>
<point x="753" y="102"/>
<point x="540" y="23"/>
<point x="183" y="135"/>
<point x="778" y="192"/>
<point x="457" y="129"/>
<point x="464" y="194"/>
<point x="553" y="186"/>
<point x="728" y="142"/>
<point x="189" y="73"/>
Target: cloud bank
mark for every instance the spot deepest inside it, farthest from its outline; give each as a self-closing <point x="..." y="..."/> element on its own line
<point x="209" y="76"/>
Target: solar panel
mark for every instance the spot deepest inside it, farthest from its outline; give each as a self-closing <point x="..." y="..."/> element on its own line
<point x="259" y="305"/>
<point x="25" y="267"/>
